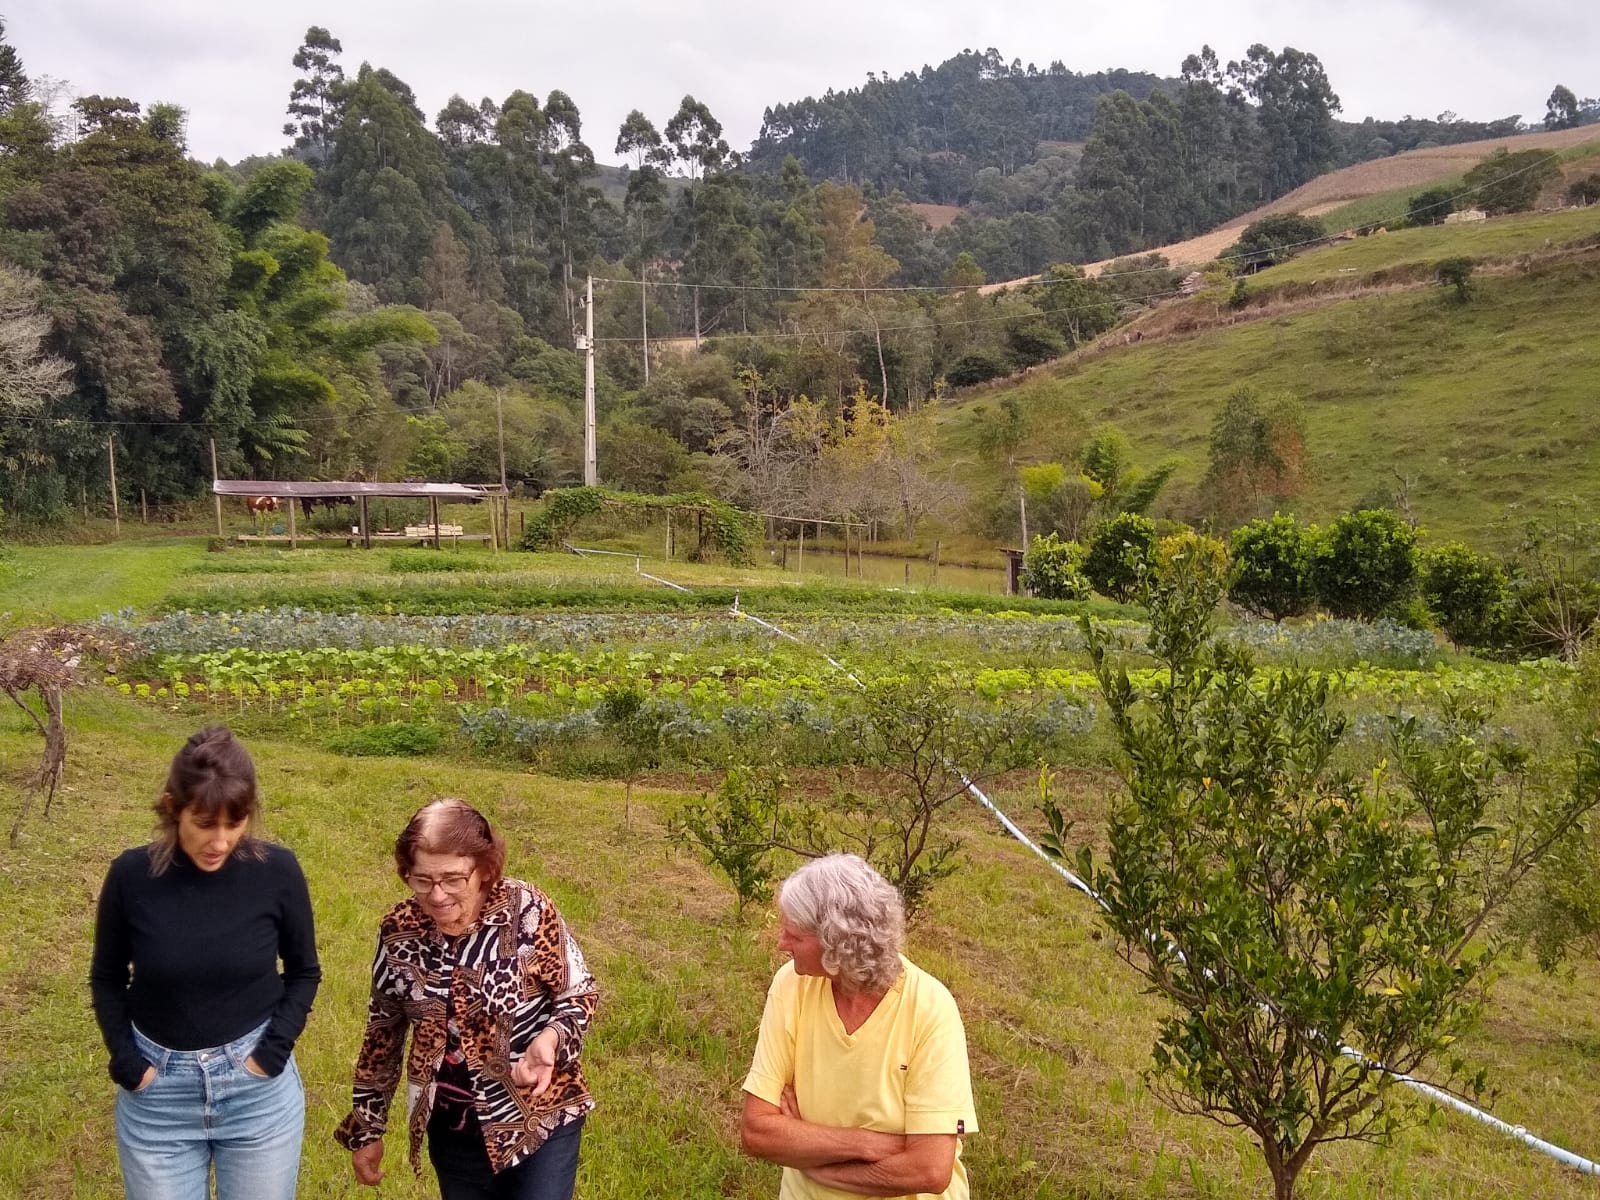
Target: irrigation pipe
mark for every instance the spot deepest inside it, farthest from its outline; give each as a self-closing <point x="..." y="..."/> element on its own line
<point x="1432" y="1091"/>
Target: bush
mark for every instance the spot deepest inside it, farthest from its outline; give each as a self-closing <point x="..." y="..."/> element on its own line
<point x="1456" y="273"/>
<point x="1430" y="207"/>
<point x="1205" y="556"/>
<point x="401" y="739"/>
<point x="1053" y="569"/>
<point x="1469" y="595"/>
<point x="978" y="367"/>
<point x="1273" y="239"/>
<point x="1584" y="191"/>
<point x="1365" y="563"/>
<point x="1272" y="574"/>
<point x="1120" y="551"/>
<point x="1508" y="183"/>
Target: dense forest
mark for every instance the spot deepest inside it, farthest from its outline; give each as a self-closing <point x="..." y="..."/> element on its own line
<point x="371" y="300"/>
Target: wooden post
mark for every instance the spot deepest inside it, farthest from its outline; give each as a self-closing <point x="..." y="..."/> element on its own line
<point x="936" y="562"/>
<point x="433" y="504"/>
<point x="215" y="494"/>
<point x="144" y="509"/>
<point x="494" y="528"/>
<point x="783" y="563"/>
<point x="83" y="501"/>
<point x="908" y="572"/>
<point x="801" y="568"/>
<point x="116" y="513"/>
<point x="366" y="529"/>
<point x="294" y="538"/>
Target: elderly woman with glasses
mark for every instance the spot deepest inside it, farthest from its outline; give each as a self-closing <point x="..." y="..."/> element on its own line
<point x="484" y="973"/>
<point x="859" y="1086"/>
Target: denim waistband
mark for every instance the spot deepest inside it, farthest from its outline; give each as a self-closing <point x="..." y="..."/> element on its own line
<point x="235" y="1051"/>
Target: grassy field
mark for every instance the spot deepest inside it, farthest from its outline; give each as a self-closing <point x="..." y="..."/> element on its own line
<point x="1497" y="238"/>
<point x="1485" y="408"/>
<point x="1059" y="1028"/>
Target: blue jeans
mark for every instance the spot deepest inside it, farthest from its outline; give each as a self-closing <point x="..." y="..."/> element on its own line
<point x="462" y="1164"/>
<point x="205" y="1108"/>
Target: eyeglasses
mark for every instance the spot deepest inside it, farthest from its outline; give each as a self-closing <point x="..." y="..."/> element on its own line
<point x="452" y="884"/>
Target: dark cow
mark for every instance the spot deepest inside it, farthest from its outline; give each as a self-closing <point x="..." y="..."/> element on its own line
<point x="309" y="504"/>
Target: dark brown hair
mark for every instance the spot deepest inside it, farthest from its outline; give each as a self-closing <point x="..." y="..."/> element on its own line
<point x="214" y="776"/>
<point x="451" y="826"/>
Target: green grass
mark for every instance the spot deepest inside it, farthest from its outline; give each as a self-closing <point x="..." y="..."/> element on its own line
<point x="1497" y="238"/>
<point x="79" y="582"/>
<point x="1059" y="1029"/>
<point x="1487" y="408"/>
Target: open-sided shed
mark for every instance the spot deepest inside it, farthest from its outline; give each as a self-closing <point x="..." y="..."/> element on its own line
<point x="295" y="490"/>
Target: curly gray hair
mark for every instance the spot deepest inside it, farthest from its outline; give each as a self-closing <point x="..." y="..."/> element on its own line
<point x="855" y="913"/>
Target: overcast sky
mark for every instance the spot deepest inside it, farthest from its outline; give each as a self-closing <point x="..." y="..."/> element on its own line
<point x="228" y="62"/>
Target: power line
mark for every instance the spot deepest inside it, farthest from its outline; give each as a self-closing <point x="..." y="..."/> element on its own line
<point x="789" y="335"/>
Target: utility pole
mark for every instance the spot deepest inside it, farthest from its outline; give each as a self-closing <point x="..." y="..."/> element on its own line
<point x="215" y="495"/>
<point x="591" y="475"/>
<point x="116" y="513"/>
<point x="504" y="499"/>
<point x="644" y="319"/>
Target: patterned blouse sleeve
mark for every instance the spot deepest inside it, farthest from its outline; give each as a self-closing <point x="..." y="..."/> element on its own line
<point x="380" y="1062"/>
<point x="556" y="965"/>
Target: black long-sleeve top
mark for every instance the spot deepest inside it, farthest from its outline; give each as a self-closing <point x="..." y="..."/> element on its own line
<point x="191" y="957"/>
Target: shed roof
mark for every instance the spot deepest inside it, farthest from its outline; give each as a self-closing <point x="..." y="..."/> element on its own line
<point x="463" y="493"/>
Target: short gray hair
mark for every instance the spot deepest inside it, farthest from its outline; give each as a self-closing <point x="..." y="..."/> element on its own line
<point x="855" y="913"/>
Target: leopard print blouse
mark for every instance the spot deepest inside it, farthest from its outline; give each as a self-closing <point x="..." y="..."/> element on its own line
<point x="516" y="971"/>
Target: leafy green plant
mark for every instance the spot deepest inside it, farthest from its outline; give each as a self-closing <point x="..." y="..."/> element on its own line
<point x="399" y="739"/>
<point x="1288" y="910"/>
<point x="1272" y="564"/>
<point x="1365" y="562"/>
<point x="1053" y="569"/>
<point x="1469" y="594"/>
<point x="740" y="830"/>
<point x="1119" y="552"/>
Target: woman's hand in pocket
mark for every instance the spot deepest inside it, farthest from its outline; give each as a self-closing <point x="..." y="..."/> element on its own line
<point x="146" y="1079"/>
<point x="251" y="1065"/>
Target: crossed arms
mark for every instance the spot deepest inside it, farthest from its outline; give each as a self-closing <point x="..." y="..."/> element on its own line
<point x="864" y="1161"/>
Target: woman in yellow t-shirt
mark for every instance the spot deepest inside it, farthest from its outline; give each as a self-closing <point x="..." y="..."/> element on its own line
<point x="859" y="1086"/>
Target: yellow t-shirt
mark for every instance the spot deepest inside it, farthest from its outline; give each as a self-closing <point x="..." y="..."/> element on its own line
<point x="903" y="1071"/>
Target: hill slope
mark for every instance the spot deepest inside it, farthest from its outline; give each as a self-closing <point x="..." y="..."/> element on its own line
<point x="1471" y="407"/>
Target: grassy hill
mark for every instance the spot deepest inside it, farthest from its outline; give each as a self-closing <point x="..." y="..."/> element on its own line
<point x="1477" y="406"/>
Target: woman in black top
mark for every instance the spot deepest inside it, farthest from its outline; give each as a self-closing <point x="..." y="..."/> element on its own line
<point x="199" y="1020"/>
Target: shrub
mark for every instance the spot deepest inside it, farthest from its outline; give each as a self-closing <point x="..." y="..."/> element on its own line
<point x="1365" y="563"/>
<point x="1584" y="191"/>
<point x="1430" y="207"/>
<point x="1456" y="273"/>
<point x="1507" y="183"/>
<point x="1203" y="555"/>
<point x="1274" y="239"/>
<point x="1272" y="567"/>
<point x="1468" y="594"/>
<point x="1053" y="569"/>
<point x="980" y="366"/>
<point x="400" y="739"/>
<point x="1120" y="551"/>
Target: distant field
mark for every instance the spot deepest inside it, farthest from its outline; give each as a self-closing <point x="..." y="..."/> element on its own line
<point x="1496" y="238"/>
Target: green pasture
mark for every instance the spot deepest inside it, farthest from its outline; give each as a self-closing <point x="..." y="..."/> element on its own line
<point x="1485" y="409"/>
<point x="1483" y="241"/>
<point x="1059" y="1028"/>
